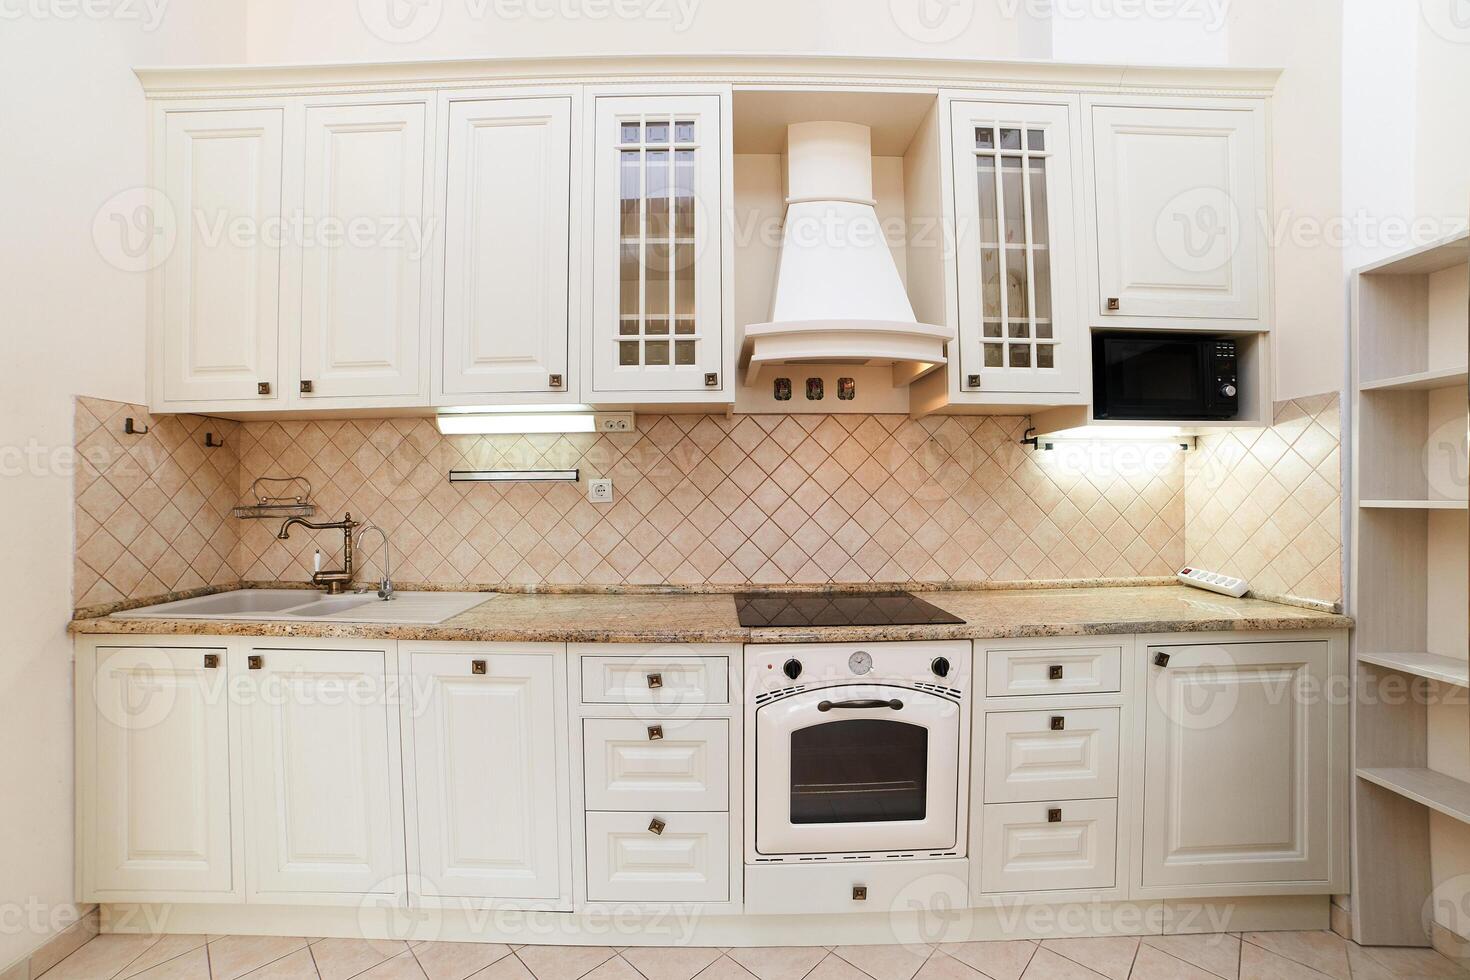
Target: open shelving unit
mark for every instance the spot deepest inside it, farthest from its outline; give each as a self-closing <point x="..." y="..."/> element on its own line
<point x="1409" y="587"/>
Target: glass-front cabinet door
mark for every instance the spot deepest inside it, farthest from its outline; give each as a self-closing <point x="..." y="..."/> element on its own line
<point x="656" y="290"/>
<point x="1016" y="232"/>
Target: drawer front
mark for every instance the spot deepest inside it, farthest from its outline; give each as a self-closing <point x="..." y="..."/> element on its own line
<point x="689" y="861"/>
<point x="655" y="679"/>
<point x="633" y="764"/>
<point x="818" y="889"/>
<point x="1023" y="849"/>
<point x="1080" y="670"/>
<point x="1058" y="754"/>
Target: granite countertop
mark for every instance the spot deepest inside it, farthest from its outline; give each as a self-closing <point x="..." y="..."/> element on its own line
<point x="710" y="618"/>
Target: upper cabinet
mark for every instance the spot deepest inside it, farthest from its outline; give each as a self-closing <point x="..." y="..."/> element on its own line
<point x="1179" y="194"/>
<point x="658" y="227"/>
<point x="1021" y="327"/>
<point x="507" y="235"/>
<point x="217" y="303"/>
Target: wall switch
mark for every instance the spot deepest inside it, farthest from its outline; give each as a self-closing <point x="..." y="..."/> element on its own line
<point x="600" y="491"/>
<point x="614" y="422"/>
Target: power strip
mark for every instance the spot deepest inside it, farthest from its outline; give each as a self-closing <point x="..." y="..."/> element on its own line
<point x="1213" y="581"/>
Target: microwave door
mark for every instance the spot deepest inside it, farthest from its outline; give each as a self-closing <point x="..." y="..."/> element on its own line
<point x="1151" y="379"/>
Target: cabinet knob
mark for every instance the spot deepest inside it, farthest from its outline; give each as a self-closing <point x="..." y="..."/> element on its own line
<point x="477" y="667"/>
<point x="712" y="380"/>
<point x="306" y="387"/>
<point x="211" y="660"/>
<point x="255" y="662"/>
<point x="1113" y="303"/>
<point x="859" y="893"/>
<point x="655" y="681"/>
<point x="1058" y="723"/>
<point x="972" y="381"/>
<point x="1054" y="815"/>
<point x="1161" y="660"/>
<point x="262" y="387"/>
<point x="655" y="733"/>
<point x="656" y="826"/>
<point x="1054" y="672"/>
<point x="555" y="381"/>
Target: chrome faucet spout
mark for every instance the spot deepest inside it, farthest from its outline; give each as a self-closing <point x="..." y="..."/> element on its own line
<point x="385" y="584"/>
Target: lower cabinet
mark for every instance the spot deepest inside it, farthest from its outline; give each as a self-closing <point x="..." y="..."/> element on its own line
<point x="1064" y="845"/>
<point x="646" y="857"/>
<point x="488" y="730"/>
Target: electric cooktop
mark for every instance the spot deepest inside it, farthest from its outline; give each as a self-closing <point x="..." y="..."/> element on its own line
<point x="841" y="609"/>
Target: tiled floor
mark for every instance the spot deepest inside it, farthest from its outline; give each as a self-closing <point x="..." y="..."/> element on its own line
<point x="1218" y="956"/>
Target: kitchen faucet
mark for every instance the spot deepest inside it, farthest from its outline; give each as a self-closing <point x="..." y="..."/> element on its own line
<point x="334" y="580"/>
<point x="385" y="584"/>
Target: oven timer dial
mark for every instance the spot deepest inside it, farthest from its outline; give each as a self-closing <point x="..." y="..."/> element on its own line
<point x="860" y="662"/>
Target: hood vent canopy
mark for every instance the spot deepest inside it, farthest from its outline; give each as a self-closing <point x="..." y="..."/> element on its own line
<point x="839" y="298"/>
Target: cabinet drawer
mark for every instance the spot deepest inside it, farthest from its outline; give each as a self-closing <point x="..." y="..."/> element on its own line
<point x="818" y="889"/>
<point x="1079" y="670"/>
<point x="627" y="768"/>
<point x="1057" y="754"/>
<point x="1023" y="849"/>
<point x="654" y="679"/>
<point x="688" y="862"/>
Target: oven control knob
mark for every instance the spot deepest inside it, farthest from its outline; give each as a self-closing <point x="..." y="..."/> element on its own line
<point x="940" y="666"/>
<point x="1227" y="390"/>
<point x="792" y="668"/>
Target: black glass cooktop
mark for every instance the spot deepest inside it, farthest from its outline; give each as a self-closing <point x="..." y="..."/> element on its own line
<point x="843" y="609"/>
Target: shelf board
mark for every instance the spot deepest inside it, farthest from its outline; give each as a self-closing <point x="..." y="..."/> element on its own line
<point x="1419" y="381"/>
<point x="1431" y="665"/>
<point x="1415" y="504"/>
<point x="1435" y="790"/>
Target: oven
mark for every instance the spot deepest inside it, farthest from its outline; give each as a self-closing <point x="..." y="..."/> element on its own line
<point x="864" y="751"/>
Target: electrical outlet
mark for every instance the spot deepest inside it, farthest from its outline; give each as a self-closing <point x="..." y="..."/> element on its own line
<point x="600" y="491"/>
<point x="614" y="422"/>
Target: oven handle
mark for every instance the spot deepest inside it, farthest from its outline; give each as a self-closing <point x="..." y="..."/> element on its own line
<point x="895" y="704"/>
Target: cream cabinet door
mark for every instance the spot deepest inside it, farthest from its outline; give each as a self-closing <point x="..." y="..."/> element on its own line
<point x="1237" y="771"/>
<point x="506" y="246"/>
<point x="656" y="323"/>
<point x="363" y="307"/>
<point x="161" y="791"/>
<point x="323" y="816"/>
<point x="485" y="735"/>
<point x="219" y="299"/>
<point x="1180" y="194"/>
<point x="1017" y="232"/>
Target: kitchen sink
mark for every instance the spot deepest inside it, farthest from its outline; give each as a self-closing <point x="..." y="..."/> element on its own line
<point x="278" y="605"/>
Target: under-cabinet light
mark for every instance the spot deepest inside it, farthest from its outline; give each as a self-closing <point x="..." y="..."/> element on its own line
<point x="512" y="476"/>
<point x="519" y="424"/>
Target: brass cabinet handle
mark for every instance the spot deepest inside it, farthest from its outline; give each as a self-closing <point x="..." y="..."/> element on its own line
<point x="1113" y="303"/>
<point x="859" y="893"/>
<point x="1161" y="659"/>
<point x="477" y="666"/>
<point x="555" y="381"/>
<point x="262" y="387"/>
<point x="655" y="681"/>
<point x="711" y="380"/>
<point x="656" y="826"/>
<point x="306" y="387"/>
<point x="1054" y="672"/>
<point x="1054" y="815"/>
<point x="972" y="381"/>
<point x="211" y="660"/>
<point x="655" y="733"/>
<point x="255" y="662"/>
<point x="1058" y="723"/>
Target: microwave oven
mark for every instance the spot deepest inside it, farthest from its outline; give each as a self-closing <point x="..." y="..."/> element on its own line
<point x="1145" y="376"/>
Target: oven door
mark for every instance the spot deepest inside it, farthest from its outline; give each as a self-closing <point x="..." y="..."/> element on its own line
<point x="857" y="768"/>
<point x="1141" y="377"/>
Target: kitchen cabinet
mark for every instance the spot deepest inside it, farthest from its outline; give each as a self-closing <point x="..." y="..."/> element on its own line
<point x="658" y="171"/>
<point x="320" y="750"/>
<point x="1242" y="771"/>
<point x="489" y="772"/>
<point x="506" y="299"/>
<point x="364" y="309"/>
<point x="217" y="305"/>
<point x="1179" y="198"/>
<point x="658" y="857"/>
<point x="1017" y="225"/>
<point x="154" y="790"/>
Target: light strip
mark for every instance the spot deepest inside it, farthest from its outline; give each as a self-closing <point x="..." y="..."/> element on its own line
<point x="512" y="476"/>
<point x="475" y="425"/>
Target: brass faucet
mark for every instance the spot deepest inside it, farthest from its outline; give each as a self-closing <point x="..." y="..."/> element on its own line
<point x="334" y="580"/>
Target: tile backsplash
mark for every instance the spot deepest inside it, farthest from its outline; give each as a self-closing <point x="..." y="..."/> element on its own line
<point x="1266" y="504"/>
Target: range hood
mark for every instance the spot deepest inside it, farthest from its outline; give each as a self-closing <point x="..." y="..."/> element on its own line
<point x="839" y="298"/>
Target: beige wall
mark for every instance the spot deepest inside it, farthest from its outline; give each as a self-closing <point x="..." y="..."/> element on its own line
<point x="72" y="115"/>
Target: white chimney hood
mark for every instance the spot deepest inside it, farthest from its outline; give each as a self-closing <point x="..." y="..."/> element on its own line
<point x="839" y="299"/>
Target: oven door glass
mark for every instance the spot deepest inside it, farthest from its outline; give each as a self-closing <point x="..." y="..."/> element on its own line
<point x="1144" y="378"/>
<point x="857" y="768"/>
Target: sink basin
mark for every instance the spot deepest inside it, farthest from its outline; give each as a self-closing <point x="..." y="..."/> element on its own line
<point x="278" y="605"/>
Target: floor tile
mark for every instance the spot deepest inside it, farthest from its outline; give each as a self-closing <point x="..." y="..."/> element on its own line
<point x="886" y="962"/>
<point x="563" y="962"/>
<point x="725" y="968"/>
<point x="1112" y="956"/>
<point x="190" y="965"/>
<point x="103" y="957"/>
<point x="1257" y="963"/>
<point x="456" y="961"/>
<point x="1416" y="963"/>
<point x="235" y="956"/>
<point x="341" y="959"/>
<point x="401" y="967"/>
<point x="834" y="967"/>
<point x="1153" y="963"/>
<point x="779" y="962"/>
<point x="505" y="968"/>
<point x="1046" y="965"/>
<point x="1001" y="960"/>
<point x="293" y="966"/>
<point x="670" y="962"/>
<point x="616" y="968"/>
<point x="162" y="951"/>
<point x="1219" y="953"/>
<point x="1324" y="952"/>
<point x="941" y="967"/>
<point x="1364" y="968"/>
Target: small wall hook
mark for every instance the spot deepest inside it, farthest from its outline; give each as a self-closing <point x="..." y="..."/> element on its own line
<point x="211" y="442"/>
<point x="1030" y="439"/>
<point x="133" y="430"/>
